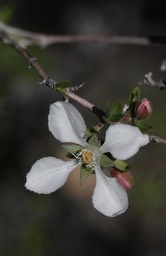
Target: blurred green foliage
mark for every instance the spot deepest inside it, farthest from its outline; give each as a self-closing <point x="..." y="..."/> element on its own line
<point x="6" y="13"/>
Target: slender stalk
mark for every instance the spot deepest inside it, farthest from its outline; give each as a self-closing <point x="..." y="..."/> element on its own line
<point x="51" y="83"/>
<point x="26" y="38"/>
<point x="23" y="52"/>
<point x="80" y="100"/>
<point x="157" y="139"/>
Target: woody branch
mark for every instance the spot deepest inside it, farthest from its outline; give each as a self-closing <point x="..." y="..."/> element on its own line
<point x="46" y="80"/>
<point x="51" y="83"/>
<point x="26" y="38"/>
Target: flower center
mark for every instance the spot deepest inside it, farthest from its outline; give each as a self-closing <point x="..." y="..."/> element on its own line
<point x="87" y="156"/>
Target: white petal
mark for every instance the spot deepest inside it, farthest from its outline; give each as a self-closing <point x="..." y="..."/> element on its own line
<point x="66" y="123"/>
<point x="109" y="197"/>
<point x="48" y="174"/>
<point x="123" y="141"/>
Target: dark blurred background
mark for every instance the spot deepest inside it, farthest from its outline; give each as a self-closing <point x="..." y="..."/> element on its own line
<point x="65" y="223"/>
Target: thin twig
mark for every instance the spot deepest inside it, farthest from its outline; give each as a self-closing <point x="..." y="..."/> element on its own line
<point x="26" y="38"/>
<point x="32" y="62"/>
<point x="51" y="83"/>
<point x="148" y="80"/>
<point x="46" y="80"/>
<point x="157" y="139"/>
<point x="80" y="100"/>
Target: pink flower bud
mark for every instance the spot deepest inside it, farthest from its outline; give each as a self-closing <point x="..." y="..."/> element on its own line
<point x="124" y="178"/>
<point x="143" y="109"/>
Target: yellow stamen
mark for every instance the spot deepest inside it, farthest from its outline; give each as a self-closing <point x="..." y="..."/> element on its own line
<point x="87" y="157"/>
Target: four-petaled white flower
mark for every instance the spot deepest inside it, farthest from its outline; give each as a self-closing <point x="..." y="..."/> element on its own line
<point x="67" y="125"/>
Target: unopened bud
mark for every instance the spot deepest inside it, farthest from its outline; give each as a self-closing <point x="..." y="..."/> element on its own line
<point x="143" y="109"/>
<point x="124" y="178"/>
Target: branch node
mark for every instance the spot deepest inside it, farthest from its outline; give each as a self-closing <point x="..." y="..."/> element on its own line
<point x="99" y="113"/>
<point x="31" y="61"/>
<point x="49" y="82"/>
<point x="157" y="139"/>
<point x="76" y="88"/>
<point x="161" y="84"/>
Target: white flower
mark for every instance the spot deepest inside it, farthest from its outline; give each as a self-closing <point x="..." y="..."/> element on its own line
<point x="67" y="125"/>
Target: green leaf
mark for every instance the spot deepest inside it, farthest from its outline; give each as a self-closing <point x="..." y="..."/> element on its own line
<point x="88" y="133"/>
<point x="94" y="141"/>
<point x="122" y="165"/>
<point x="68" y="155"/>
<point x="63" y="84"/>
<point x="144" y="127"/>
<point x="93" y="129"/>
<point x="105" y="161"/>
<point x="73" y="149"/>
<point x="84" y="173"/>
<point x="114" y="111"/>
<point x="135" y="95"/>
